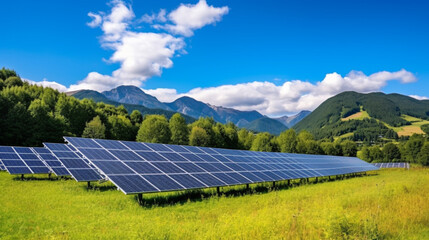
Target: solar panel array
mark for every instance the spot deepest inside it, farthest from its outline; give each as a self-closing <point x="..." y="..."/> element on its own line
<point x="22" y="160"/>
<point x="147" y="167"/>
<point x="79" y="168"/>
<point x="51" y="161"/>
<point x="392" y="165"/>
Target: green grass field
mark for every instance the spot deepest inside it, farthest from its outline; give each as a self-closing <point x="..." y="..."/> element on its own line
<point x="394" y="204"/>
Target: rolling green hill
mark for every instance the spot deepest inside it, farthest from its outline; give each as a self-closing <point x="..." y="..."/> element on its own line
<point x="379" y="114"/>
<point x="266" y="125"/>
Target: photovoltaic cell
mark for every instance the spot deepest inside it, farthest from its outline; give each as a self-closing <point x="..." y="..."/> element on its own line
<point x="149" y="167"/>
<point x="22" y="160"/>
<point x="73" y="161"/>
<point x="392" y="165"/>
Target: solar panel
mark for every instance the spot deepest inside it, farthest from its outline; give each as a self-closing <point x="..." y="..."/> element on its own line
<point x="79" y="169"/>
<point x="392" y="165"/>
<point x="148" y="167"/>
<point x="22" y="160"/>
<point x="51" y="161"/>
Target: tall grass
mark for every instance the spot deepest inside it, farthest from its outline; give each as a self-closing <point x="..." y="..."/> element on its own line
<point x="391" y="205"/>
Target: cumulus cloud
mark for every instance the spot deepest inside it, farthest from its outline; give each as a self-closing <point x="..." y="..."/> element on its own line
<point x="142" y="55"/>
<point x="190" y="17"/>
<point x="290" y="97"/>
<point x="46" y="83"/>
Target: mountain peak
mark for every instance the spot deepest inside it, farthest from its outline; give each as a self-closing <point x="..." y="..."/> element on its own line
<point x="134" y="95"/>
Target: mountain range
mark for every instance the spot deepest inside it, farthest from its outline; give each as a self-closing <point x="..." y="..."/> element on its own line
<point x="135" y="98"/>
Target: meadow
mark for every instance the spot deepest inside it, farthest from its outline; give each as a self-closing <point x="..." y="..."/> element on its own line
<point x="389" y="204"/>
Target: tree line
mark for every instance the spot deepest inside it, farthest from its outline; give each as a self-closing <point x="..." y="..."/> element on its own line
<point x="33" y="114"/>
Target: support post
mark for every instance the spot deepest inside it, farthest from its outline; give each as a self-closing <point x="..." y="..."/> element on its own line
<point x="329" y="177"/>
<point x="140" y="198"/>
<point x="218" y="190"/>
<point x="288" y="182"/>
<point x="247" y="187"/>
<point x="274" y="184"/>
<point x="307" y="180"/>
<point x="49" y="176"/>
<point x="89" y="185"/>
<point x="22" y="177"/>
<point x="317" y="179"/>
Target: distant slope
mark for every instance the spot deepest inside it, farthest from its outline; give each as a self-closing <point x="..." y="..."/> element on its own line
<point x="98" y="97"/>
<point x="196" y="109"/>
<point x="290" y="121"/>
<point x="384" y="109"/>
<point x="266" y="125"/>
<point x="134" y="95"/>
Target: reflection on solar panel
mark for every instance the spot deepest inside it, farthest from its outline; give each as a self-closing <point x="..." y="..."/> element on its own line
<point x="392" y="165"/>
<point x="22" y="160"/>
<point x="147" y="167"/>
<point x="79" y="169"/>
<point x="2" y="168"/>
<point x="51" y="161"/>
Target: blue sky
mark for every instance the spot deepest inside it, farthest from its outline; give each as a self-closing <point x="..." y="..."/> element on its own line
<point x="243" y="45"/>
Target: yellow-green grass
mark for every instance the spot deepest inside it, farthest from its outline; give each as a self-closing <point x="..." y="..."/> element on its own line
<point x="357" y="116"/>
<point x="391" y="205"/>
<point x="345" y="135"/>
<point x="409" y="130"/>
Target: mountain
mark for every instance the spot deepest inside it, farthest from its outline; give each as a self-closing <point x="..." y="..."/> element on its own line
<point x="98" y="97"/>
<point x="134" y="98"/>
<point x="266" y="124"/>
<point x="196" y="109"/>
<point x="290" y="121"/>
<point x="134" y="95"/>
<point x="361" y="115"/>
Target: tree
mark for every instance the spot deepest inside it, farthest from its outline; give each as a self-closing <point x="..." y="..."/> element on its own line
<point x="45" y="126"/>
<point x="231" y="136"/>
<point x="425" y="128"/>
<point x="349" y="148"/>
<point x="375" y="153"/>
<point x="302" y="138"/>
<point x="287" y="141"/>
<point x="207" y="124"/>
<point x="391" y="152"/>
<point x="179" y="130"/>
<point x="424" y="155"/>
<point x="95" y="129"/>
<point x="412" y="147"/>
<point x="199" y="137"/>
<point x="121" y="128"/>
<point x="262" y="143"/>
<point x="313" y="147"/>
<point x="245" y="139"/>
<point x="154" y="129"/>
<point x="333" y="149"/>
<point x="13" y="81"/>
<point x="136" y="117"/>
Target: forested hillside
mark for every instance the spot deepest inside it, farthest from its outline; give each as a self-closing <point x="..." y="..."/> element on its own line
<point x="384" y="110"/>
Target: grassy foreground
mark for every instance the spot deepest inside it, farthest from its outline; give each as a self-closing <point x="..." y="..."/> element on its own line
<point x="391" y="205"/>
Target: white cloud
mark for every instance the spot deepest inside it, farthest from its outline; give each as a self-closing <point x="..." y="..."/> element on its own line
<point x="142" y="55"/>
<point x="46" y="83"/>
<point x="160" y="17"/>
<point x="96" y="20"/>
<point x="291" y="96"/>
<point x="190" y="17"/>
<point x="419" y="97"/>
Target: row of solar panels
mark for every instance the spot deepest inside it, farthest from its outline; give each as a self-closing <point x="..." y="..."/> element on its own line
<point x="136" y="167"/>
<point x="60" y="159"/>
<point x="392" y="165"/>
